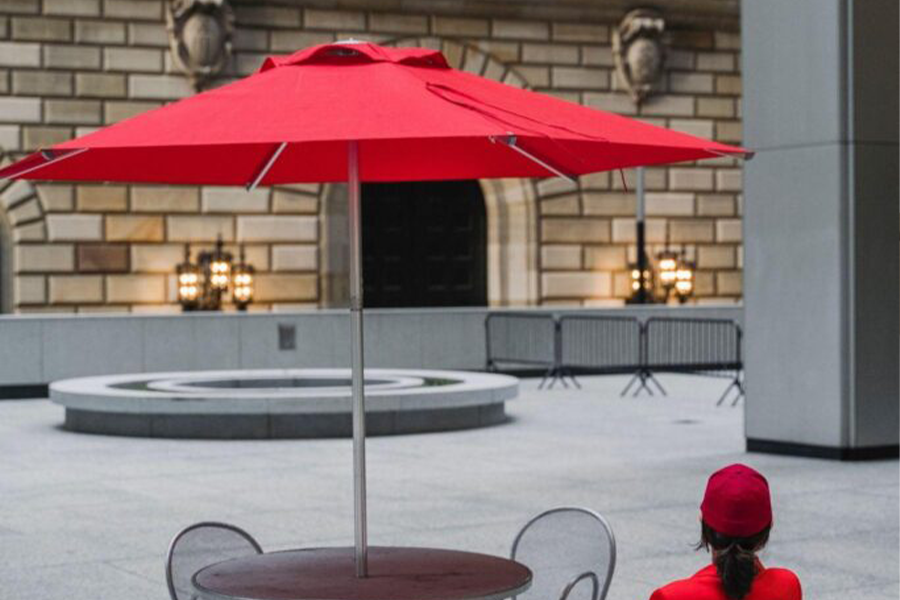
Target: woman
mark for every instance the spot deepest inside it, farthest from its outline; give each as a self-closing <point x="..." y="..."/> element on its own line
<point x="735" y="519"/>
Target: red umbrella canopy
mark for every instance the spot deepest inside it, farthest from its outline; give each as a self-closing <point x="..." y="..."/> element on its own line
<point x="413" y="116"/>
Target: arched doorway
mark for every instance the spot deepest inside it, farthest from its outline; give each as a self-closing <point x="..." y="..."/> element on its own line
<point x="513" y="235"/>
<point x="424" y="244"/>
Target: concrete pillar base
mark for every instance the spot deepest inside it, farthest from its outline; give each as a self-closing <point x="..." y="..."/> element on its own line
<point x="828" y="452"/>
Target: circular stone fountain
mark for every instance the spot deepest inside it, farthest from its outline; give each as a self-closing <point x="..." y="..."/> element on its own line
<point x="280" y="403"/>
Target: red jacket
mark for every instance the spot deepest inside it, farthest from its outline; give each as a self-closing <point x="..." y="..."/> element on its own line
<point x="769" y="584"/>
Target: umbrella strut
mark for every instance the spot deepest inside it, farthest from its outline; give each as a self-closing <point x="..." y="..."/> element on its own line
<point x="50" y="157"/>
<point x="262" y="173"/>
<point x="512" y="142"/>
<point x="356" y="360"/>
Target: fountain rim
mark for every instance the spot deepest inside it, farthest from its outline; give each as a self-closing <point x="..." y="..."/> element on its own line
<point x="98" y="393"/>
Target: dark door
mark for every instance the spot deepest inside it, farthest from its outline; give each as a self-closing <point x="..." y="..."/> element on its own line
<point x="424" y="244"/>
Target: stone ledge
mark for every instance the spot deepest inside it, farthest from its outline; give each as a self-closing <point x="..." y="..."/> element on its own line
<point x="102" y="405"/>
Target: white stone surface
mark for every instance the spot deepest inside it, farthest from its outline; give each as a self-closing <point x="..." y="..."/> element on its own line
<point x="85" y="517"/>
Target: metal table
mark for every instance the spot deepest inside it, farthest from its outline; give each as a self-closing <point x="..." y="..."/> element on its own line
<point x="394" y="574"/>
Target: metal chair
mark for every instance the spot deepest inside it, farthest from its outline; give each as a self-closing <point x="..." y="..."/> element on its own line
<point x="567" y="549"/>
<point x="201" y="545"/>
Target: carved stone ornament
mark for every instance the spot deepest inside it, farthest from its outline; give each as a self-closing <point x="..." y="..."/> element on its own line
<point x="640" y="51"/>
<point x="200" y="34"/>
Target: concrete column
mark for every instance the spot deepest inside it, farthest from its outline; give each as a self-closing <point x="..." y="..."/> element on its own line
<point x="6" y="264"/>
<point x="822" y="275"/>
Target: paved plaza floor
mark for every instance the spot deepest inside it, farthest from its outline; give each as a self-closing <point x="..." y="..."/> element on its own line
<point x="89" y="517"/>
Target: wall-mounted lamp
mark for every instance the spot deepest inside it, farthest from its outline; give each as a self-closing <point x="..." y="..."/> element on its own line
<point x="188" y="282"/>
<point x="638" y="278"/>
<point x="676" y="273"/>
<point x="242" y="282"/>
<point x="684" y="280"/>
<point x="202" y="285"/>
<point x="667" y="262"/>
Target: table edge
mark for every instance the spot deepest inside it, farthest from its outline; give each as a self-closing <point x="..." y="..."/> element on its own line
<point x="208" y="594"/>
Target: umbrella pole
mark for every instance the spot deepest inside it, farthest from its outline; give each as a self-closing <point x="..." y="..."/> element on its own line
<point x="356" y="361"/>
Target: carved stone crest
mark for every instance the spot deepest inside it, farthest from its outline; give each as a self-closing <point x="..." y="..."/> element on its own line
<point x="640" y="51"/>
<point x="200" y="37"/>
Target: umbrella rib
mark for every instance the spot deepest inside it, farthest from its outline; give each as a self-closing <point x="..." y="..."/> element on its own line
<point x="252" y="185"/>
<point x="53" y="159"/>
<point x="746" y="155"/>
<point x="510" y="142"/>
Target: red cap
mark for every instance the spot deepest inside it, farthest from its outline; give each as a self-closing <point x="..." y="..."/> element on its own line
<point x="736" y="502"/>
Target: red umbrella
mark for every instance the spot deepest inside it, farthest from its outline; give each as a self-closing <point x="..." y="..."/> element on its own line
<point x="413" y="117"/>
<point x="354" y="112"/>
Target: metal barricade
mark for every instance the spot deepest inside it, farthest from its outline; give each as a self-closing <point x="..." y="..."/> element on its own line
<point x="522" y="339"/>
<point x="599" y="344"/>
<point x="605" y="345"/>
<point x="685" y="345"/>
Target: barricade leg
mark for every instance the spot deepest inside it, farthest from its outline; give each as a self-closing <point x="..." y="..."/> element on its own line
<point x="742" y="391"/>
<point x="659" y="386"/>
<point x="643" y="377"/>
<point x="552" y="375"/>
<point x="631" y="381"/>
<point x="724" y="395"/>
<point x="735" y="384"/>
<point x="566" y="372"/>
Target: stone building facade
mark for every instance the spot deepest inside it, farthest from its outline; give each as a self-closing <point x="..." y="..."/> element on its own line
<point x="69" y="66"/>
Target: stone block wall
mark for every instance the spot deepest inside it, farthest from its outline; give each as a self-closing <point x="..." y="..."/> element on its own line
<point x="114" y="247"/>
<point x="68" y="66"/>
<point x="588" y="230"/>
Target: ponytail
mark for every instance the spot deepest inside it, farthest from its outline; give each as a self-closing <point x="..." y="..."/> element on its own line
<point x="735" y="558"/>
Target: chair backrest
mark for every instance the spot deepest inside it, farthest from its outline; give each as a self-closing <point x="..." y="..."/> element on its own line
<point x="571" y="553"/>
<point x="201" y="545"/>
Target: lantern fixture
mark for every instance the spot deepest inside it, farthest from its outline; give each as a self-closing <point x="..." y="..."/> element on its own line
<point x="637" y="278"/>
<point x="672" y="274"/>
<point x="668" y="262"/>
<point x="217" y="267"/>
<point x="203" y="285"/>
<point x="684" y="280"/>
<point x="676" y="274"/>
<point x="242" y="282"/>
<point x="188" y="275"/>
